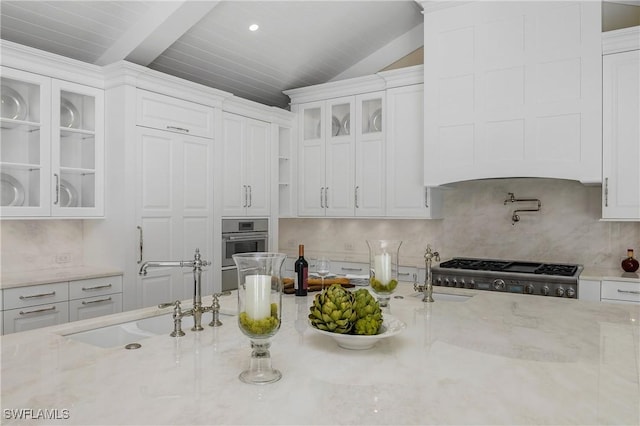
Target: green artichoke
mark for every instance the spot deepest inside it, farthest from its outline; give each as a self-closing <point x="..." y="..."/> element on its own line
<point x="332" y="310"/>
<point x="368" y="313"/>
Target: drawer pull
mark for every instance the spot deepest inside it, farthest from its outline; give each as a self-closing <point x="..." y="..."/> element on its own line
<point x="53" y="308"/>
<point x="84" y="302"/>
<point x="404" y="274"/>
<point x="98" y="287"/>
<point x="180" y="129"/>
<point x="629" y="291"/>
<point x="53" y="293"/>
<point x="351" y="269"/>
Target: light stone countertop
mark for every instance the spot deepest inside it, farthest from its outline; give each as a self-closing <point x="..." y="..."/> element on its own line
<point x="617" y="274"/>
<point x="46" y="276"/>
<point x="493" y="359"/>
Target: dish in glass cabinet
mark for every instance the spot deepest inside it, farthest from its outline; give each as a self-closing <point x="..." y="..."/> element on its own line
<point x="69" y="115"/>
<point x="13" y="106"/>
<point x="390" y="327"/>
<point x="68" y="194"/>
<point x="375" y="122"/>
<point x="11" y="191"/>
<point x="346" y="124"/>
<point x="335" y="126"/>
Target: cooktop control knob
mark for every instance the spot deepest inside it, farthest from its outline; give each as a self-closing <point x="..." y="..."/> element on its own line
<point x="544" y="291"/>
<point x="571" y="292"/>
<point x="438" y="281"/>
<point x="472" y="284"/>
<point x="454" y="283"/>
<point x="446" y="282"/>
<point x="559" y="291"/>
<point x="499" y="284"/>
<point x="461" y="284"/>
<point x="529" y="289"/>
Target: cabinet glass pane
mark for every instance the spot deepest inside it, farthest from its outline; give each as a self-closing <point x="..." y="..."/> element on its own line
<point x="312" y="123"/>
<point x="20" y="144"/>
<point x="372" y="116"/>
<point x="340" y="120"/>
<point x="20" y="101"/>
<point x="77" y="150"/>
<point x="19" y="187"/>
<point x="76" y="189"/>
<point x="77" y="111"/>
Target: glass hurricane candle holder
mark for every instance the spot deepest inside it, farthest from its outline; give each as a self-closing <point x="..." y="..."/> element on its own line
<point x="383" y="268"/>
<point x="259" y="310"/>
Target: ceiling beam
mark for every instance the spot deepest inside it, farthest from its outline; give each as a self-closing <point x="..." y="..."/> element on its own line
<point x="161" y="26"/>
<point x="394" y="50"/>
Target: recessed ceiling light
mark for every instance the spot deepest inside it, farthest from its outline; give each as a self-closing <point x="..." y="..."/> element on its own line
<point x="254" y="27"/>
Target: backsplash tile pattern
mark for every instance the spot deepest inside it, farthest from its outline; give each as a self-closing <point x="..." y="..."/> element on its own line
<point x="30" y="245"/>
<point x="477" y="223"/>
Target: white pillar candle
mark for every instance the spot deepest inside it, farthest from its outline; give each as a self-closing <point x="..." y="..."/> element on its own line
<point x="383" y="268"/>
<point x="258" y="296"/>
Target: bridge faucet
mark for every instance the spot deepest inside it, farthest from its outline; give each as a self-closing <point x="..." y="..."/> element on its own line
<point x="427" y="288"/>
<point x="197" y="264"/>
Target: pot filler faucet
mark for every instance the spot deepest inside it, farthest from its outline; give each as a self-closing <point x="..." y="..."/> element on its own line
<point x="427" y="288"/>
<point x="197" y="264"/>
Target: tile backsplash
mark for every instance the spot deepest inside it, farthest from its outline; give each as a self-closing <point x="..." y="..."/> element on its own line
<point x="477" y="223"/>
<point x="30" y="245"/>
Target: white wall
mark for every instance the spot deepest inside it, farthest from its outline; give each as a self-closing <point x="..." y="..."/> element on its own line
<point x="478" y="224"/>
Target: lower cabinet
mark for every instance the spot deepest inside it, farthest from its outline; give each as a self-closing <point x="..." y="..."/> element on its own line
<point x="37" y="306"/>
<point x="589" y="290"/>
<point x="620" y="291"/>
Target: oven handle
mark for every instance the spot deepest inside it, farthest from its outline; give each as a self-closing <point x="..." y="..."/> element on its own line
<point x="245" y="237"/>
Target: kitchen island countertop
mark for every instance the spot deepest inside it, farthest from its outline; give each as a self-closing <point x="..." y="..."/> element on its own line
<point x="492" y="359"/>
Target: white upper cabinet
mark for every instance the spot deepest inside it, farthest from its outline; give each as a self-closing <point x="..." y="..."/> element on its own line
<point x="406" y="194"/>
<point x="341" y="157"/>
<point x="621" y="130"/>
<point x="52" y="147"/>
<point x="247" y="164"/>
<point x="513" y="89"/>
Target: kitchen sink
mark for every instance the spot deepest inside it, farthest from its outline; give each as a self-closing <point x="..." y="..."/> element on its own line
<point x="134" y="331"/>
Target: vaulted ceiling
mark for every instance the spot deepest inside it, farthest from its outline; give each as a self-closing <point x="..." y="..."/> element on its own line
<point x="298" y="43"/>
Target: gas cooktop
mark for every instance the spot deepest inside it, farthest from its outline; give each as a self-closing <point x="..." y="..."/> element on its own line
<point x="510" y="266"/>
<point x="535" y="278"/>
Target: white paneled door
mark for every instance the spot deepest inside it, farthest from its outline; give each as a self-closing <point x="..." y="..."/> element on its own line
<point x="175" y="201"/>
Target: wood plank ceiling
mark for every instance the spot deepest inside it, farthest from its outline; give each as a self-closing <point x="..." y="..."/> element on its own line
<point x="299" y="43"/>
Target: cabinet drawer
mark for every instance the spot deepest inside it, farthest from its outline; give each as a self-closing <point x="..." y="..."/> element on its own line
<point x="174" y="115"/>
<point x="95" y="287"/>
<point x="621" y="290"/>
<point x="35" y="295"/>
<point x="33" y="317"/>
<point x="92" y="307"/>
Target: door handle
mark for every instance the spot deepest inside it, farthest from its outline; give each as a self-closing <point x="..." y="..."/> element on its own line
<point x="326" y="197"/>
<point x="250" y="196"/>
<point x="356" y="200"/>
<point x="140" y="244"/>
<point x="321" y="198"/>
<point x="57" y="188"/>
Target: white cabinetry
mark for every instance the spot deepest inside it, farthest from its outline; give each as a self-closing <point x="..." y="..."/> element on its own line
<point x="361" y="155"/>
<point x="95" y="297"/>
<point x="52" y="147"/>
<point x="247" y="163"/>
<point x="512" y="89"/>
<point x="621" y="128"/>
<point x="174" y="202"/>
<point x="341" y="167"/>
<point x="589" y="290"/>
<point x="43" y="305"/>
<point x="406" y="194"/>
<point x="620" y="291"/>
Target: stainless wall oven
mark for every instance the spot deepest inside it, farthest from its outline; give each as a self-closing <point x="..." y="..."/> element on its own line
<point x="241" y="236"/>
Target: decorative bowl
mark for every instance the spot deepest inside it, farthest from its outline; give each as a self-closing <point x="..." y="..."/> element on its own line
<point x="390" y="327"/>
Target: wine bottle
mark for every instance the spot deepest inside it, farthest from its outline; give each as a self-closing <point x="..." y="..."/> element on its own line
<point x="302" y="273"/>
<point x="630" y="264"/>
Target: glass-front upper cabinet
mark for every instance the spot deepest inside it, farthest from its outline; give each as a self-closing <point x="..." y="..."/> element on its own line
<point x="25" y="125"/>
<point x="312" y="121"/>
<point x="341" y="112"/>
<point x="51" y="150"/>
<point x="77" y="150"/>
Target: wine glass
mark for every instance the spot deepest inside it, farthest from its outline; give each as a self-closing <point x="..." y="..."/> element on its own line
<point x="323" y="268"/>
<point x="259" y="310"/>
